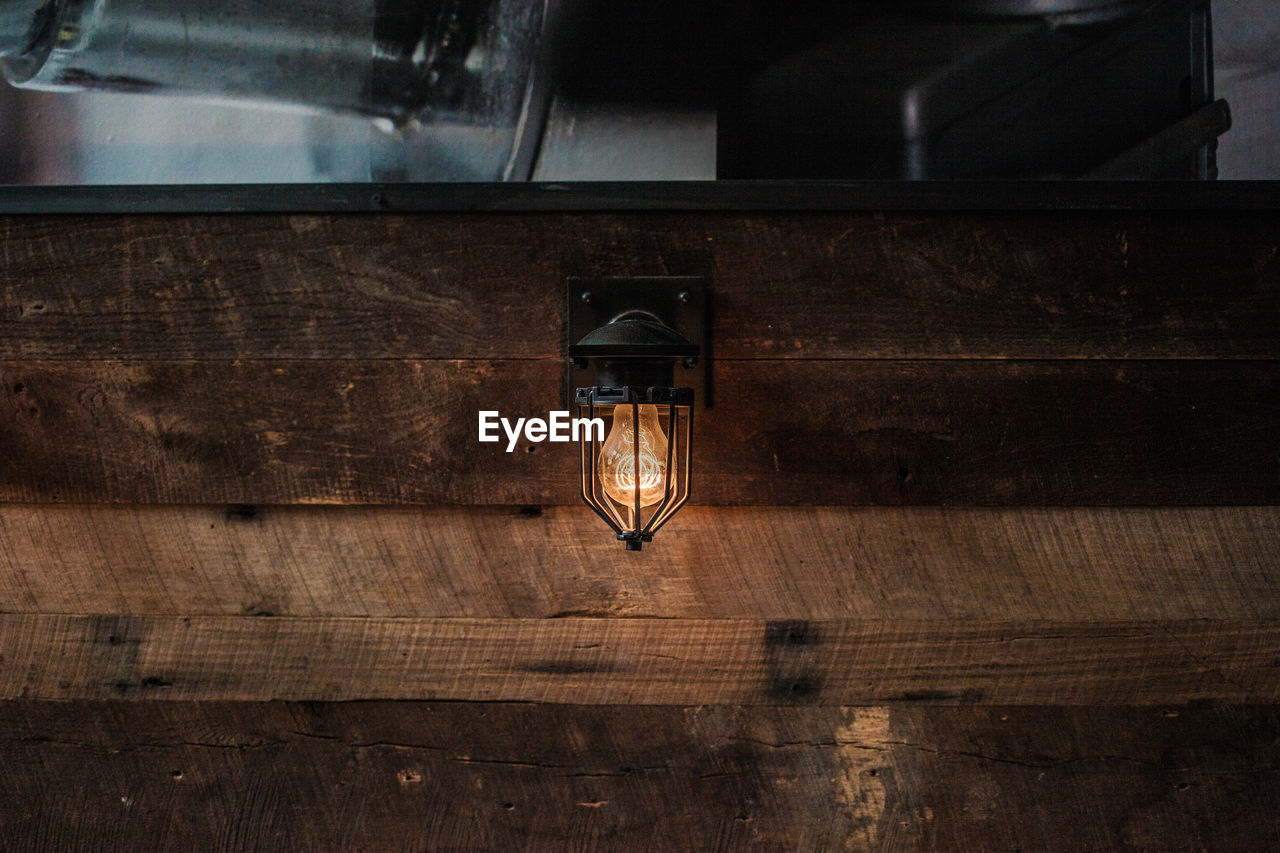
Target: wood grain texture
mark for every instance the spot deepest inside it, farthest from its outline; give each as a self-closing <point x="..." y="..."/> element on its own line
<point x="639" y="660"/>
<point x="817" y="285"/>
<point x="1085" y="564"/>
<point x="861" y="361"/>
<point x="782" y="432"/>
<point x="399" y="776"/>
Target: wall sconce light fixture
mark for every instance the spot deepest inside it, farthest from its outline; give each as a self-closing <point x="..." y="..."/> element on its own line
<point x="640" y="474"/>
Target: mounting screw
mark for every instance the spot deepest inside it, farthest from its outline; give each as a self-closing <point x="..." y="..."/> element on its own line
<point x="586" y="296"/>
<point x="684" y="296"/>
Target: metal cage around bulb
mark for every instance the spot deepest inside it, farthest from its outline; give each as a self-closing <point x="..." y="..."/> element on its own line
<point x="642" y="492"/>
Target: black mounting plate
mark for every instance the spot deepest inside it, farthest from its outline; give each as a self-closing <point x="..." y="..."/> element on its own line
<point x="678" y="301"/>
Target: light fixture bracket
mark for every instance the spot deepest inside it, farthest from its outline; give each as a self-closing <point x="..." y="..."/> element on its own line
<point x="663" y="317"/>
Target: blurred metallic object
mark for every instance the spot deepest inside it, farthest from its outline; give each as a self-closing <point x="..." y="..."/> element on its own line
<point x="951" y="97"/>
<point x="20" y="24"/>
<point x="465" y="70"/>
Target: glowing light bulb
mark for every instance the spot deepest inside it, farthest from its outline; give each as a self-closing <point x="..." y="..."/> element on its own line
<point x="618" y="458"/>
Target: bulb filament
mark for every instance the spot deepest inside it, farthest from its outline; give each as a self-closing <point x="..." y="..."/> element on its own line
<point x="650" y="467"/>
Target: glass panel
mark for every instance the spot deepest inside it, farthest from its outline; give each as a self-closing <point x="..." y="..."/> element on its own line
<point x="236" y="91"/>
<point x="591" y="452"/>
<point x="681" y="433"/>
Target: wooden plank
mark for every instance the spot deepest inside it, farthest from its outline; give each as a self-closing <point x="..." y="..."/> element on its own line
<point x="819" y="285"/>
<point x="121" y="776"/>
<point x="639" y="660"/>
<point x="781" y="432"/>
<point x="1084" y="564"/>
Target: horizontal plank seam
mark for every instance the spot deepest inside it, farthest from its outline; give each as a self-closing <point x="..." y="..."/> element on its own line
<point x="497" y="508"/>
<point x="650" y="617"/>
<point x="538" y="359"/>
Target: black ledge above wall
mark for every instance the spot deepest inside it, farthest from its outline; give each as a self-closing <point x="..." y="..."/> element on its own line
<point x="587" y="196"/>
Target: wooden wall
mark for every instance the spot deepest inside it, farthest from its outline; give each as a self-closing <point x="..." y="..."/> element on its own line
<point x="983" y="551"/>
